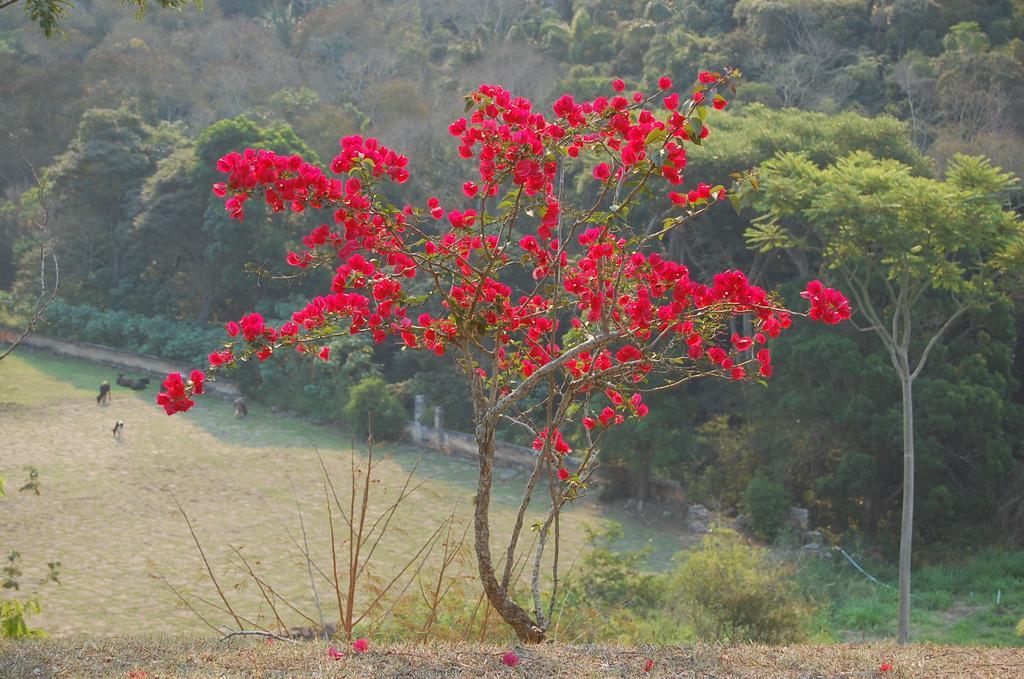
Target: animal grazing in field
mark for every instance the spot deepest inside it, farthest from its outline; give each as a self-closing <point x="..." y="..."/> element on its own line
<point x="119" y="430"/>
<point x="241" y="409"/>
<point x="136" y="385"/>
<point x="104" y="397"/>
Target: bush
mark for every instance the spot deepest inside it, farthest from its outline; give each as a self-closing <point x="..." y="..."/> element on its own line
<point x="317" y="389"/>
<point x="373" y="398"/>
<point x="609" y="598"/>
<point x="734" y="591"/>
<point x="161" y="336"/>
<point x="766" y="503"/>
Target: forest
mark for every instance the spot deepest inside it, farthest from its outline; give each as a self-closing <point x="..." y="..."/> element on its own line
<point x="112" y="128"/>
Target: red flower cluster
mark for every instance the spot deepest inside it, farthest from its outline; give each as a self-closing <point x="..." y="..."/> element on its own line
<point x="827" y="305"/>
<point x="383" y="160"/>
<point x="290" y="180"/>
<point x="175" y="396"/>
<point x="555" y="437"/>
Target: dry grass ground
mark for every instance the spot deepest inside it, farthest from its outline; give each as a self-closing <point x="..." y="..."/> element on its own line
<point x="167" y="658"/>
<point x="107" y="514"/>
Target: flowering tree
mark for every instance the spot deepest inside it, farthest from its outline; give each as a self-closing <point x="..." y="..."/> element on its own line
<point x="560" y="313"/>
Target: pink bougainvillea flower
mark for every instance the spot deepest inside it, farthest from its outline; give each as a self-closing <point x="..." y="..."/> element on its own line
<point x="510" y="659"/>
<point x="564" y="474"/>
<point x="618" y="85"/>
<point x="885" y="667"/>
<point x="827" y="304"/>
<point x="665" y="82"/>
<point x="325" y="353"/>
<point x="335" y="653"/>
<point x="197" y="377"/>
<point x="361" y="645"/>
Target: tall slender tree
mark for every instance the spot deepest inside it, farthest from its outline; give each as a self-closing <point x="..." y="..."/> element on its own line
<point x="916" y="254"/>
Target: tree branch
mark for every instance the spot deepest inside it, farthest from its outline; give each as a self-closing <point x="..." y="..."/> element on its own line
<point x="935" y="338"/>
<point x="527" y="385"/>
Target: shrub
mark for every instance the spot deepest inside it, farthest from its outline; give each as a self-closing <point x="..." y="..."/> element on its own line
<point x="766" y="503"/>
<point x="373" y="398"/>
<point x="158" y="335"/>
<point x="734" y="591"/>
<point x="12" y="619"/>
<point x="609" y="598"/>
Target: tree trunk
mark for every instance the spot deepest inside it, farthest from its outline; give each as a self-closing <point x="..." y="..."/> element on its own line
<point x="525" y="628"/>
<point x="907" y="520"/>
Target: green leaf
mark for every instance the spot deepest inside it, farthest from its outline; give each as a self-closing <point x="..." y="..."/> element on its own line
<point x="655" y="135"/>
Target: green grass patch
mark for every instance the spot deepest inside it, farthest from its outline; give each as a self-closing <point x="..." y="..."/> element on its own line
<point x="953" y="603"/>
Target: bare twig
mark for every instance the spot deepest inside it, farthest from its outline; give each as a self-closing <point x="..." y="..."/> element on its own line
<point x="209" y="570"/>
<point x="255" y="633"/>
<point x="309" y="562"/>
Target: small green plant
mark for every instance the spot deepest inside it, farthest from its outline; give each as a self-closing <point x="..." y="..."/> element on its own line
<point x="766" y="503"/>
<point x="372" y="398"/>
<point x="12" y="619"/>
<point x="734" y="591"/>
<point x="12" y="573"/>
<point x="13" y="611"/>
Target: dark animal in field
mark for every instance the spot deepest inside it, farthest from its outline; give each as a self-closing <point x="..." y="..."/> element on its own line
<point x="241" y="409"/>
<point x="119" y="431"/>
<point x="136" y="385"/>
<point x="104" y="397"/>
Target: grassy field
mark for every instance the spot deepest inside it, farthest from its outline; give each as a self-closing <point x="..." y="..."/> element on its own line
<point x="170" y="658"/>
<point x="106" y="510"/>
<point x="952" y="602"/>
